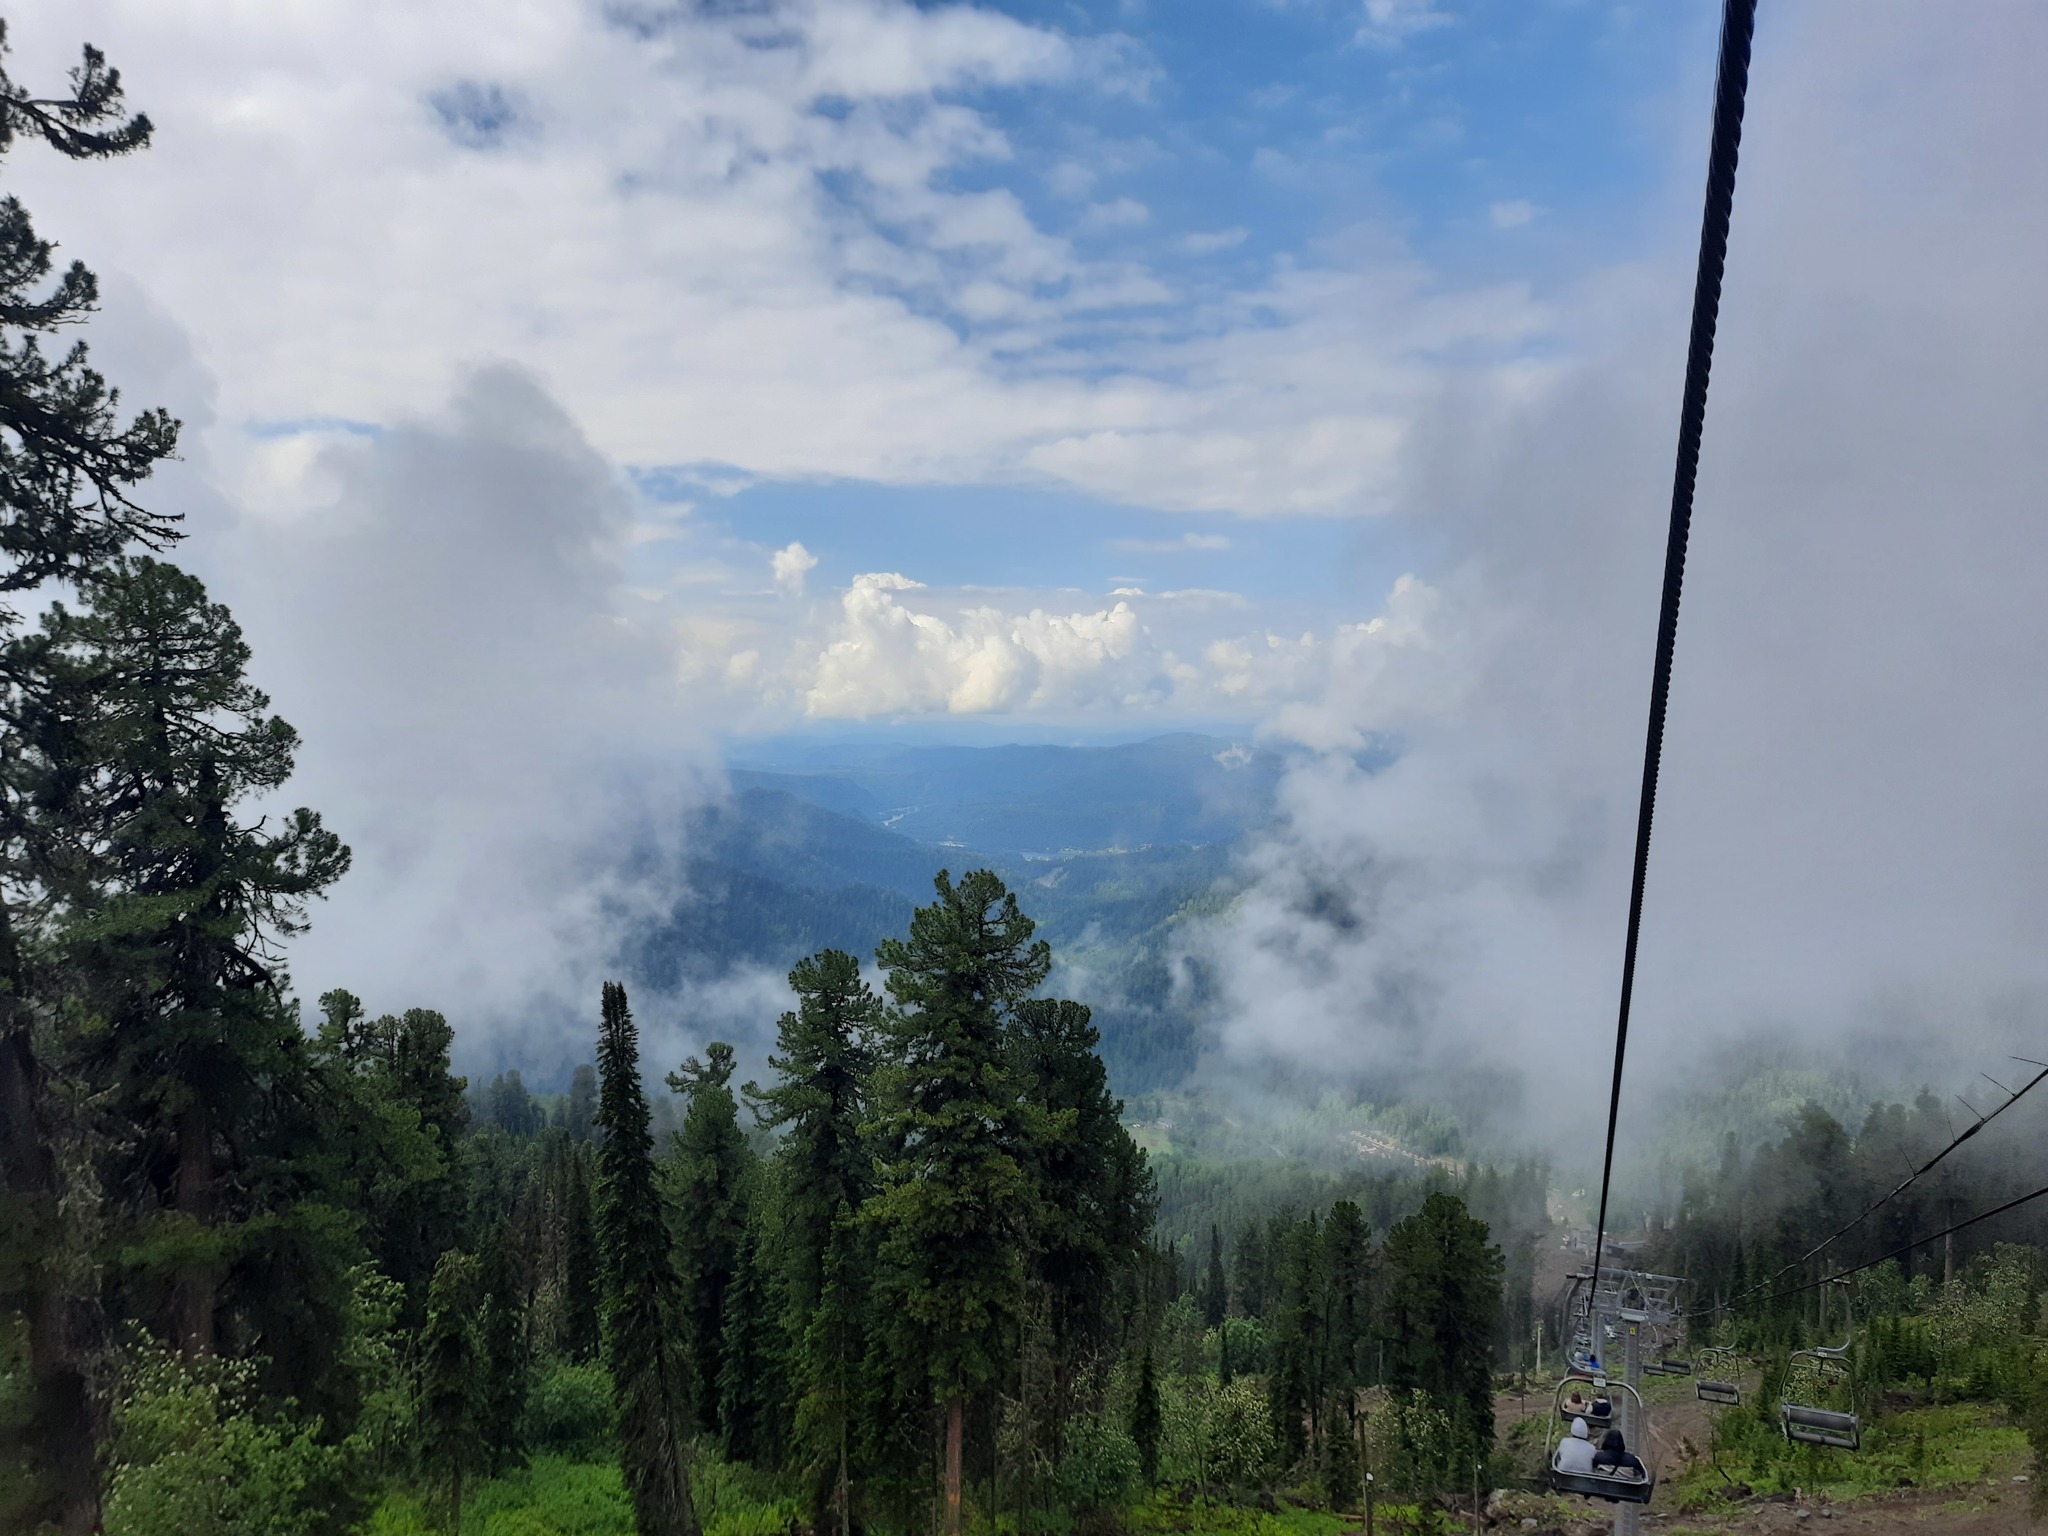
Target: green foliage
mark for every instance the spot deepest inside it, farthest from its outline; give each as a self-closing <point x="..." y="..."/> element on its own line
<point x="193" y="1454"/>
<point x="569" y="1410"/>
<point x="1238" y="1430"/>
<point x="1101" y="1465"/>
<point x="1418" y="1446"/>
<point x="1443" y="1295"/>
<point x="954" y="1197"/>
<point x="1146" y="1420"/>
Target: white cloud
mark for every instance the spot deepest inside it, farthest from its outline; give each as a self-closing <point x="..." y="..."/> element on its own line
<point x="1197" y="542"/>
<point x="895" y="647"/>
<point x="1388" y="22"/>
<point x="708" y="225"/>
<point x="1207" y="242"/>
<point x="791" y="564"/>
<point x="1513" y="214"/>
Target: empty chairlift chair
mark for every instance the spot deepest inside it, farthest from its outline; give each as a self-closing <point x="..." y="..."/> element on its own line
<point x="1613" y="1484"/>
<point x="1715" y="1381"/>
<point x="1817" y="1377"/>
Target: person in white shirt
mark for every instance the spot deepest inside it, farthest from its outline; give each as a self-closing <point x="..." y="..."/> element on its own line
<point x="1575" y="1451"/>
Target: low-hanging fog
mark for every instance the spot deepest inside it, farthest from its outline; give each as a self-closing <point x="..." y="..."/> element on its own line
<point x="1849" y="856"/>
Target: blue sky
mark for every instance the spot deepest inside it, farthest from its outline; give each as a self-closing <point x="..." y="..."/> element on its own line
<point x="1047" y="359"/>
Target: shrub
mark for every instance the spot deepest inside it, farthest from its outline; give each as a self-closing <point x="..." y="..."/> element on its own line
<point x="191" y="1457"/>
<point x="569" y="1411"/>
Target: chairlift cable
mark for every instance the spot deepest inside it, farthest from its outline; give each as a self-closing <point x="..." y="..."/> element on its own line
<point x="1879" y="1203"/>
<point x="1884" y="1200"/>
<point x="1738" y="24"/>
<point x="1905" y="1248"/>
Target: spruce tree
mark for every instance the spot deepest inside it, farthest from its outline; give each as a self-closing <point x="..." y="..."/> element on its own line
<point x="710" y="1181"/>
<point x="450" y="1431"/>
<point x="955" y="1202"/>
<point x="650" y="1378"/>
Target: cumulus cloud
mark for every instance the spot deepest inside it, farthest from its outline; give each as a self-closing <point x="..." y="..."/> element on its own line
<point x="351" y="204"/>
<point x="1849" y="839"/>
<point x="791" y="564"/>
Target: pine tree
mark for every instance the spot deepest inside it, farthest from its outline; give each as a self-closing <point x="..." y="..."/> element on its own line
<point x="581" y="1110"/>
<point x="709" y="1185"/>
<point x="1215" y="1290"/>
<point x="451" y="1437"/>
<point x="579" y="1265"/>
<point x="752" y="1395"/>
<point x="68" y="467"/>
<point x="650" y="1379"/>
<point x="1443" y="1292"/>
<point x="823" y="1168"/>
<point x="505" y="1357"/>
<point x="1146" y="1419"/>
<point x="955" y="1201"/>
<point x="174" y="908"/>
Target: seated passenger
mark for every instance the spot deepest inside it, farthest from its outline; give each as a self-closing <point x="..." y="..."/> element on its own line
<point x="1614" y="1455"/>
<point x="1575" y="1404"/>
<point x="1602" y="1408"/>
<point x="1575" y="1451"/>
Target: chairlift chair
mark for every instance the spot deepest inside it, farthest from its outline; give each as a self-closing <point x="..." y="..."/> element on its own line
<point x="1612" y="1484"/>
<point x="1715" y="1381"/>
<point x="1596" y="1390"/>
<point x="1825" y="1368"/>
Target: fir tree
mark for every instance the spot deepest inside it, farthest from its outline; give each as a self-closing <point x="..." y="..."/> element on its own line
<point x="650" y="1379"/>
<point x="451" y="1436"/>
<point x="955" y="1202"/>
<point x="818" y="1101"/>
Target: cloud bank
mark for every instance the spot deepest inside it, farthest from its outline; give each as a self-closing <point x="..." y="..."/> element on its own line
<point x="1849" y="843"/>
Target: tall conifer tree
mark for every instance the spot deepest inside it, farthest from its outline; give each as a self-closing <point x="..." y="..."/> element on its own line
<point x="710" y="1183"/>
<point x="650" y="1378"/>
<point x="956" y="1202"/>
<point x="68" y="468"/>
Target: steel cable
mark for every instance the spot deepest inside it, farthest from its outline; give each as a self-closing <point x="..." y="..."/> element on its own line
<point x="1731" y="85"/>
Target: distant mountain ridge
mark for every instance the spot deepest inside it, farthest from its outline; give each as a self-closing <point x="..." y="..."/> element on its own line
<point x="1036" y="800"/>
<point x="1112" y="849"/>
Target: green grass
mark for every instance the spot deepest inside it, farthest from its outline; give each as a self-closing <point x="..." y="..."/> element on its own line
<point x="1938" y="1447"/>
<point x="1165" y="1514"/>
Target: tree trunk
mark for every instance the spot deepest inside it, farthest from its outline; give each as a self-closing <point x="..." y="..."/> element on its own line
<point x="60" y="1442"/>
<point x="193" y="1287"/>
<point x="956" y="1407"/>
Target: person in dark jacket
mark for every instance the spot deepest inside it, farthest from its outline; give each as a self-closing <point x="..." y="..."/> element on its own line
<point x="1614" y="1455"/>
